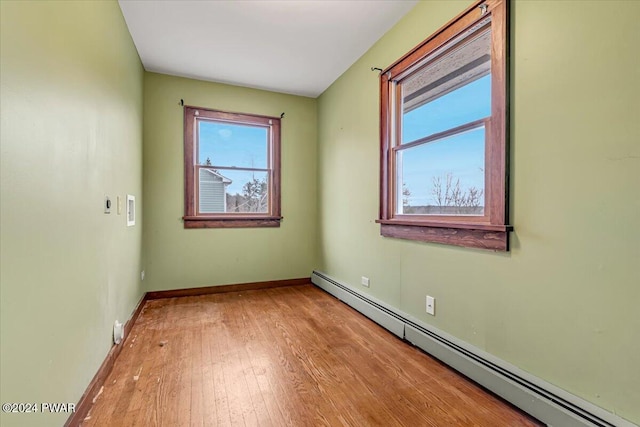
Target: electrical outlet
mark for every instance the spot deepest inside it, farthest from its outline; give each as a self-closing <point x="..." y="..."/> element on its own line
<point x="431" y="305"/>
<point x="365" y="281"/>
<point x="118" y="332"/>
<point x="142" y="275"/>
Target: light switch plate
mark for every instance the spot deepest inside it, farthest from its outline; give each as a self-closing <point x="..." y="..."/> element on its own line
<point x="131" y="210"/>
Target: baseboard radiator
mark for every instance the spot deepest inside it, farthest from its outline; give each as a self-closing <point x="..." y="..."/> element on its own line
<point x="540" y="399"/>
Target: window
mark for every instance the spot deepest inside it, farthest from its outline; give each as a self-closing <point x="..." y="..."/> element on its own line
<point x="232" y="169"/>
<point x="444" y="135"/>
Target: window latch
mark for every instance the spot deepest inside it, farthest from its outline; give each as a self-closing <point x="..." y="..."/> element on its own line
<point x="483" y="8"/>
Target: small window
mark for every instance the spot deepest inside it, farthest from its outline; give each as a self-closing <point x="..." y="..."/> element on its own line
<point x="443" y="135"/>
<point x="232" y="169"/>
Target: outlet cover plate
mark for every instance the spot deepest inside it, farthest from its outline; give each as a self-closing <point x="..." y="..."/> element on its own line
<point x="431" y="305"/>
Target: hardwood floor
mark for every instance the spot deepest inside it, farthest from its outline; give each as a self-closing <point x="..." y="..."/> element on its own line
<point x="285" y="356"/>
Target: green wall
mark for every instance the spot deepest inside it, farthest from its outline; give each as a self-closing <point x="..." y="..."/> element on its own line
<point x="179" y="258"/>
<point x="71" y="133"/>
<point x="563" y="305"/>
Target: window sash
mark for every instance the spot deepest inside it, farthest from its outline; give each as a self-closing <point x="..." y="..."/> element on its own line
<point x="269" y="176"/>
<point x="268" y="141"/>
<point x="438" y="137"/>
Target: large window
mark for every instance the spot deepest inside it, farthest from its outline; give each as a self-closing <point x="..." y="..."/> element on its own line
<point x="444" y="135"/>
<point x="232" y="169"/>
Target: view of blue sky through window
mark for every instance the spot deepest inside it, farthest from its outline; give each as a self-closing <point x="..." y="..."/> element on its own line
<point x="230" y="145"/>
<point x="460" y="156"/>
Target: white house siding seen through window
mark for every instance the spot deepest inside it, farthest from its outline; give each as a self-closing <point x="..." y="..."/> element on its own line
<point x="212" y="191"/>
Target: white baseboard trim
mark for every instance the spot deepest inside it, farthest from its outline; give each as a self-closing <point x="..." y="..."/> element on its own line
<point x="540" y="399"/>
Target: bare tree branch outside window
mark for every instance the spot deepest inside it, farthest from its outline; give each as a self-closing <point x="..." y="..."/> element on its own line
<point x="448" y="198"/>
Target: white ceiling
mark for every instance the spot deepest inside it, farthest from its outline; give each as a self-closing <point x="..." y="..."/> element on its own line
<point x="298" y="47"/>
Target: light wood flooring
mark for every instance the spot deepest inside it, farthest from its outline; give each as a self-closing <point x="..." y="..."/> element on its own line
<point x="288" y="356"/>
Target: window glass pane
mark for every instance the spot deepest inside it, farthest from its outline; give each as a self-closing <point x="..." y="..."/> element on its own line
<point x="225" y="144"/>
<point x="443" y="177"/>
<point x="212" y="186"/>
<point x="248" y="191"/>
<point x="452" y="91"/>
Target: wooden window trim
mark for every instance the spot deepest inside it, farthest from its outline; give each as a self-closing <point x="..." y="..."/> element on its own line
<point x="489" y="231"/>
<point x="191" y="218"/>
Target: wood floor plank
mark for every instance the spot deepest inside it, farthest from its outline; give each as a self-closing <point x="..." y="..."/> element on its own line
<point x="291" y="356"/>
<point x="269" y="364"/>
<point x="251" y="356"/>
<point x="326" y="370"/>
<point x="308" y="393"/>
<point x="217" y="332"/>
<point x="209" y="407"/>
<point x="241" y="407"/>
